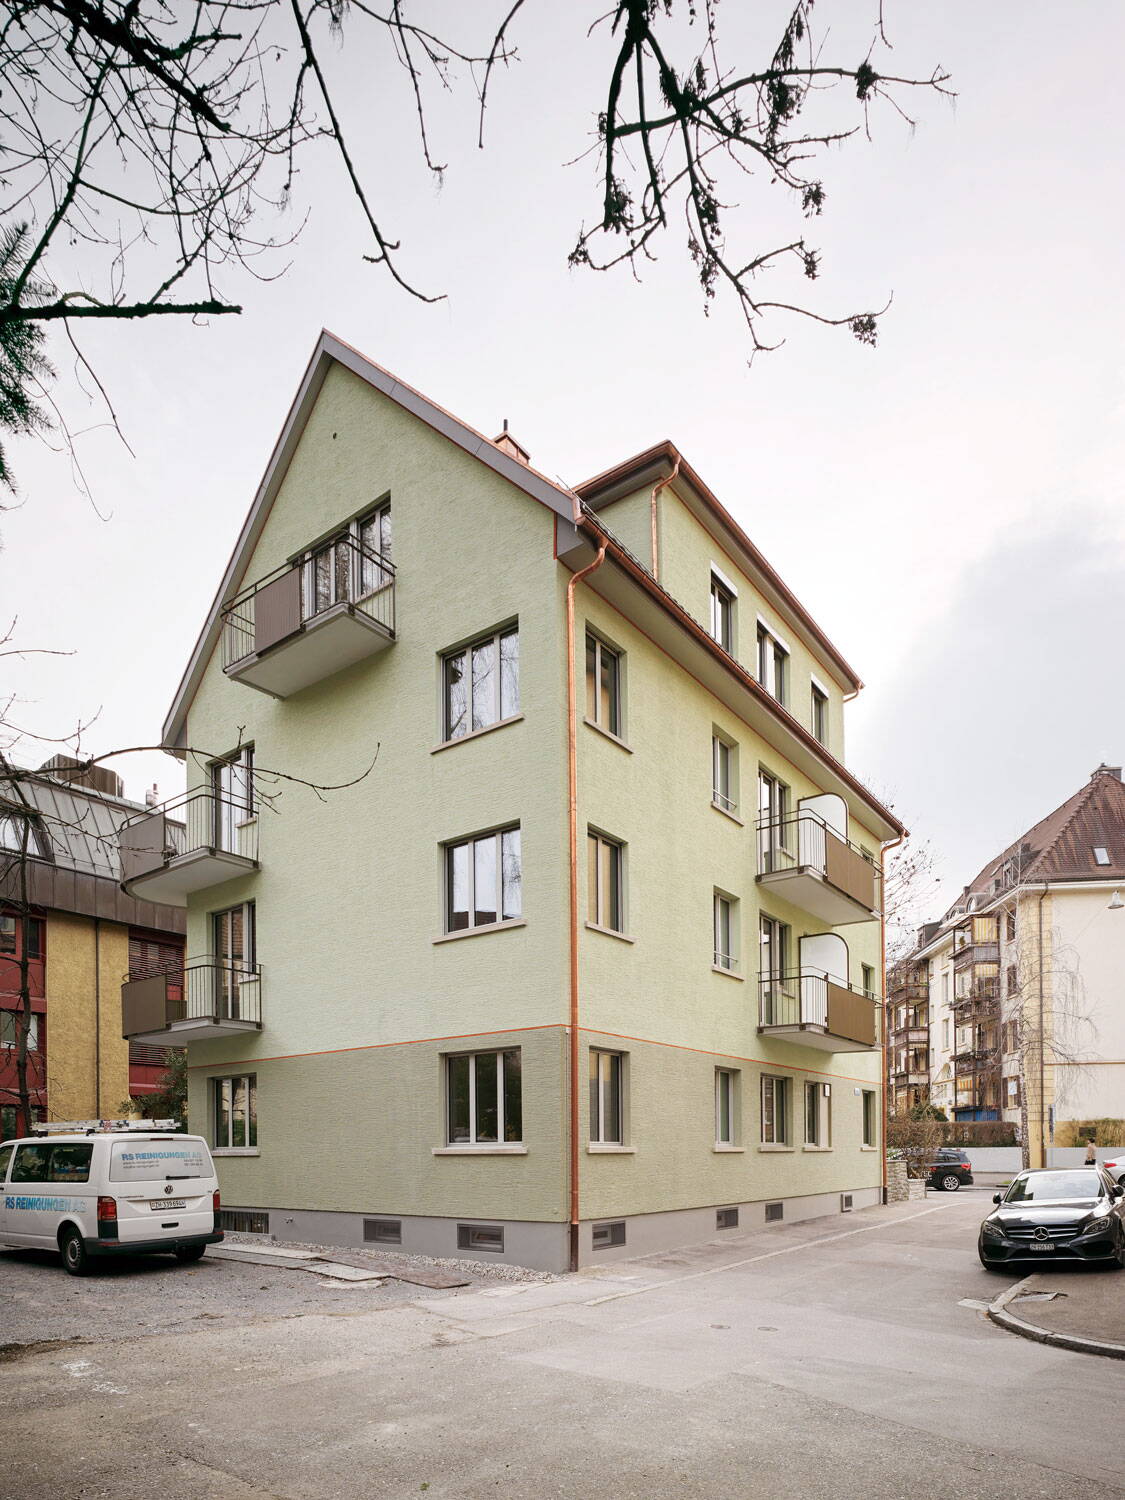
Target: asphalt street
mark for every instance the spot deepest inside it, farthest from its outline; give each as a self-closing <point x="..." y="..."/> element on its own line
<point x="838" y="1357"/>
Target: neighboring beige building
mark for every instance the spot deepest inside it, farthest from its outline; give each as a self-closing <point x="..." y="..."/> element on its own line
<point x="586" y="965"/>
<point x="1032" y="950"/>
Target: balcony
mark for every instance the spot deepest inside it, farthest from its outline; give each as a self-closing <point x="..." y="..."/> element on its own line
<point x="905" y="1080"/>
<point x="912" y="1036"/>
<point x="812" y="1008"/>
<point x="907" y="991"/>
<point x="304" y="622"/>
<point x="188" y="844"/>
<point x="971" y="1064"/>
<point x="807" y="863"/>
<point x="197" y="1001"/>
<point x="975" y="1007"/>
<point x="976" y="953"/>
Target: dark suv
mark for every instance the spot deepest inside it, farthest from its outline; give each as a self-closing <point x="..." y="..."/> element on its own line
<point x="950" y="1168"/>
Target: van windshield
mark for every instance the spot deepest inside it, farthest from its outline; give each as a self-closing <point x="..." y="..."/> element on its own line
<point x="136" y="1161"/>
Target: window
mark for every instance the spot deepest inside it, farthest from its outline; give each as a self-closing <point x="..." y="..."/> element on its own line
<point x="605" y="1098"/>
<point x="232" y="783"/>
<point x="726" y="1218"/>
<point x="382" y="1231"/>
<point x="773" y="823"/>
<point x="483" y="881"/>
<point x="774" y="948"/>
<point x="818" y="1103"/>
<point x="775" y="1111"/>
<point x="481" y="1237"/>
<point x="1013" y="980"/>
<point x="725" y="1105"/>
<point x="236" y="1112"/>
<point x="1010" y="927"/>
<point x="722" y="614"/>
<point x="603" y="879"/>
<point x="484" y="1098"/>
<point x="481" y="683"/>
<point x="724" y="773"/>
<point x="1012" y="1093"/>
<point x="1101" y="856"/>
<point x="12" y="925"/>
<point x="15" y="827"/>
<point x="726" y="932"/>
<point x="773" y="664"/>
<point x="870" y="1118"/>
<point x="9" y="1028"/>
<point x="32" y="1164"/>
<point x="349" y="566"/>
<point x="233" y="951"/>
<point x="868" y="980"/>
<point x="820" y="714"/>
<point x="603" y="685"/>
<point x="606" y="1235"/>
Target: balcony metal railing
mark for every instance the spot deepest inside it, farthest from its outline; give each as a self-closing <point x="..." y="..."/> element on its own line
<point x="205" y="990"/>
<point x="967" y="953"/>
<point x="804" y="841"/>
<point x="812" y="997"/>
<point x="295" y="594"/>
<point x="200" y="821"/>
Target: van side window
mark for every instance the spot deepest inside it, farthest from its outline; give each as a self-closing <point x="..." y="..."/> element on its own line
<point x="32" y="1164"/>
<point x="5" y="1158"/>
<point x="71" y="1163"/>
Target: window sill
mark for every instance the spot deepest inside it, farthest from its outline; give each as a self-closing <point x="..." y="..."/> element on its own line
<point x="721" y="1150"/>
<point x="475" y="734"/>
<point x="621" y="937"/>
<point x="609" y="734"/>
<point x="815" y="1149"/>
<point x="727" y="813"/>
<point x="872" y="1149"/>
<point x="235" y="1151"/>
<point x="727" y="973"/>
<point x="790" y="1149"/>
<point x="499" y="1149"/>
<point x="606" y="1148"/>
<point x="469" y="932"/>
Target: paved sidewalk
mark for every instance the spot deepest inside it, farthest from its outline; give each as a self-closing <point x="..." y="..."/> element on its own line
<point x="1074" y="1307"/>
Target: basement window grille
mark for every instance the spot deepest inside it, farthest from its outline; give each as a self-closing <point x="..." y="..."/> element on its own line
<point x="846" y="1204"/>
<point x="382" y="1231"/>
<point x="726" y="1218"/>
<point x="480" y="1237"/>
<point x="775" y="1212"/>
<point x="606" y="1235"/>
<point x="244" y="1221"/>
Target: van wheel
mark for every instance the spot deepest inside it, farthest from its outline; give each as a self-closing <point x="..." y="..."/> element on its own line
<point x="189" y="1252"/>
<point x="74" y="1256"/>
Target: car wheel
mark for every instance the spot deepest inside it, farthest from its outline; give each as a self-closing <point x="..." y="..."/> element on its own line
<point x="950" y="1183"/>
<point x="74" y="1256"/>
<point x="189" y="1252"/>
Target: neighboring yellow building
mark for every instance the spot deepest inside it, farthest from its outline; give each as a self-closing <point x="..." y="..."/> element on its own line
<point x="84" y="936"/>
<point x="586" y="964"/>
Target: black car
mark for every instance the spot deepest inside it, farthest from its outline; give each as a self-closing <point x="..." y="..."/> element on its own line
<point x="949" y="1169"/>
<point x="1053" y="1213"/>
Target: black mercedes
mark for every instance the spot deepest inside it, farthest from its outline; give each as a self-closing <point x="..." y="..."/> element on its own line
<point x="1055" y="1213"/>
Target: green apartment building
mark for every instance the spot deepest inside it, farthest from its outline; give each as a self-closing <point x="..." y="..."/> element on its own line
<point x="586" y="965"/>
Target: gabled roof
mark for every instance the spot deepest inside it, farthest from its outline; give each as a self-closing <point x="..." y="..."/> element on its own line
<point x="662" y="462"/>
<point x="1061" y="845"/>
<point x="329" y="349"/>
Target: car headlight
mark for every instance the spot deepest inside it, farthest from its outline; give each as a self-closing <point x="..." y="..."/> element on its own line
<point x="992" y="1231"/>
<point x="1095" y="1226"/>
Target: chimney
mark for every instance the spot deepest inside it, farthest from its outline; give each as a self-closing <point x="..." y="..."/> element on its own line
<point x="152" y="797"/>
<point x="96" y="778"/>
<point x="507" y="443"/>
<point x="1104" y="770"/>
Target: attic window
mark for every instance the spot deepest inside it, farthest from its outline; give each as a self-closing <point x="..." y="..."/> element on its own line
<point x="1101" y="856"/>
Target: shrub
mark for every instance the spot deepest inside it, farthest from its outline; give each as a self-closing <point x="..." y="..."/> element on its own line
<point x="1103" y="1132"/>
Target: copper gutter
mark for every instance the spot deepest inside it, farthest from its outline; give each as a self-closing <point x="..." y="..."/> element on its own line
<point x="572" y="795"/>
<point x="657" y="487"/>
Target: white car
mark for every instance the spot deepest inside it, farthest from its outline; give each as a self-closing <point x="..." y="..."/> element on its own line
<point x="109" y="1189"/>
<point x="1116" y="1167"/>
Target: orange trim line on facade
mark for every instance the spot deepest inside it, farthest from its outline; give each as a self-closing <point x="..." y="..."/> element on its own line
<point x="668" y="451"/>
<point x="629" y="565"/>
<point x="469" y="1036"/>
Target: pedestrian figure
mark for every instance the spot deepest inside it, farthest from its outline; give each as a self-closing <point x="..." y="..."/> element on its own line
<point x="1091" y="1154"/>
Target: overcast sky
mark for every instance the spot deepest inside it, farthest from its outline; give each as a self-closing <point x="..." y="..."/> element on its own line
<point x="947" y="505"/>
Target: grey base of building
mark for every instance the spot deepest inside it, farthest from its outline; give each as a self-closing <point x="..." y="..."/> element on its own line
<point x="545" y="1246"/>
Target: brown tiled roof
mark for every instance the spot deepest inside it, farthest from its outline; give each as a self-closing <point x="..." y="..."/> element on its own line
<point x="1061" y="846"/>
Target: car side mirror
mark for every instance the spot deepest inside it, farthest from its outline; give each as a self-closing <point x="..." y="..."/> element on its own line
<point x="998" y="1197"/>
<point x="1118" y="1190"/>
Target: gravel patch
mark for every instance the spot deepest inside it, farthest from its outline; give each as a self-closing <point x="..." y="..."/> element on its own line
<point x="483" y="1271"/>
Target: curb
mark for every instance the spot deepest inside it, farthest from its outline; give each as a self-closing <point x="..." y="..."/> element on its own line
<point x="999" y="1314"/>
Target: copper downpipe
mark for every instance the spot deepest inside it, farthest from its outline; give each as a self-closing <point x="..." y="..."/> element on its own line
<point x="572" y="790"/>
<point x="883" y="944"/>
<point x="657" y="487"/>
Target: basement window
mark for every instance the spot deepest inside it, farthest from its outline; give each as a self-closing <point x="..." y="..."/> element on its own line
<point x="726" y="1218"/>
<point x="243" y="1221"/>
<point x="775" y="1212"/>
<point x="481" y="1237"/>
<point x="382" y="1231"/>
<point x="606" y="1235"/>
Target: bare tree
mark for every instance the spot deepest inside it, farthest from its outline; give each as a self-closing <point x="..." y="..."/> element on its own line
<point x="150" y="152"/>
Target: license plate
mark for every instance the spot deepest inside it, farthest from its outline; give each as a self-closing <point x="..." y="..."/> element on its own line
<point x="158" y="1203"/>
<point x="1040" y="1248"/>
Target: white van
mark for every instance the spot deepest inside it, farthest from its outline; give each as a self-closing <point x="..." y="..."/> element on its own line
<point x="109" y="1191"/>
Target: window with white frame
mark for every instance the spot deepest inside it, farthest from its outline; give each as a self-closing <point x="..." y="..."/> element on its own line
<point x="868" y="973"/>
<point x="818" y="1124"/>
<point x="820" y="714"/>
<point x="604" y="861"/>
<point x="483" y="880"/>
<point x="726" y="1101"/>
<point x="603" y="685"/>
<point x="235" y="1112"/>
<point x="775" y="1111"/>
<point x="774" y="833"/>
<point x="350" y="565"/>
<point x="773" y="664"/>
<point x="724" y="773"/>
<point x="481" y="683"/>
<point x="722" y="613"/>
<point x="484" y="1098"/>
<point x="232" y="783"/>
<point x="606" y="1111"/>
<point x="870" y="1118"/>
<point x="726" y="931"/>
<point x="9" y="1030"/>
